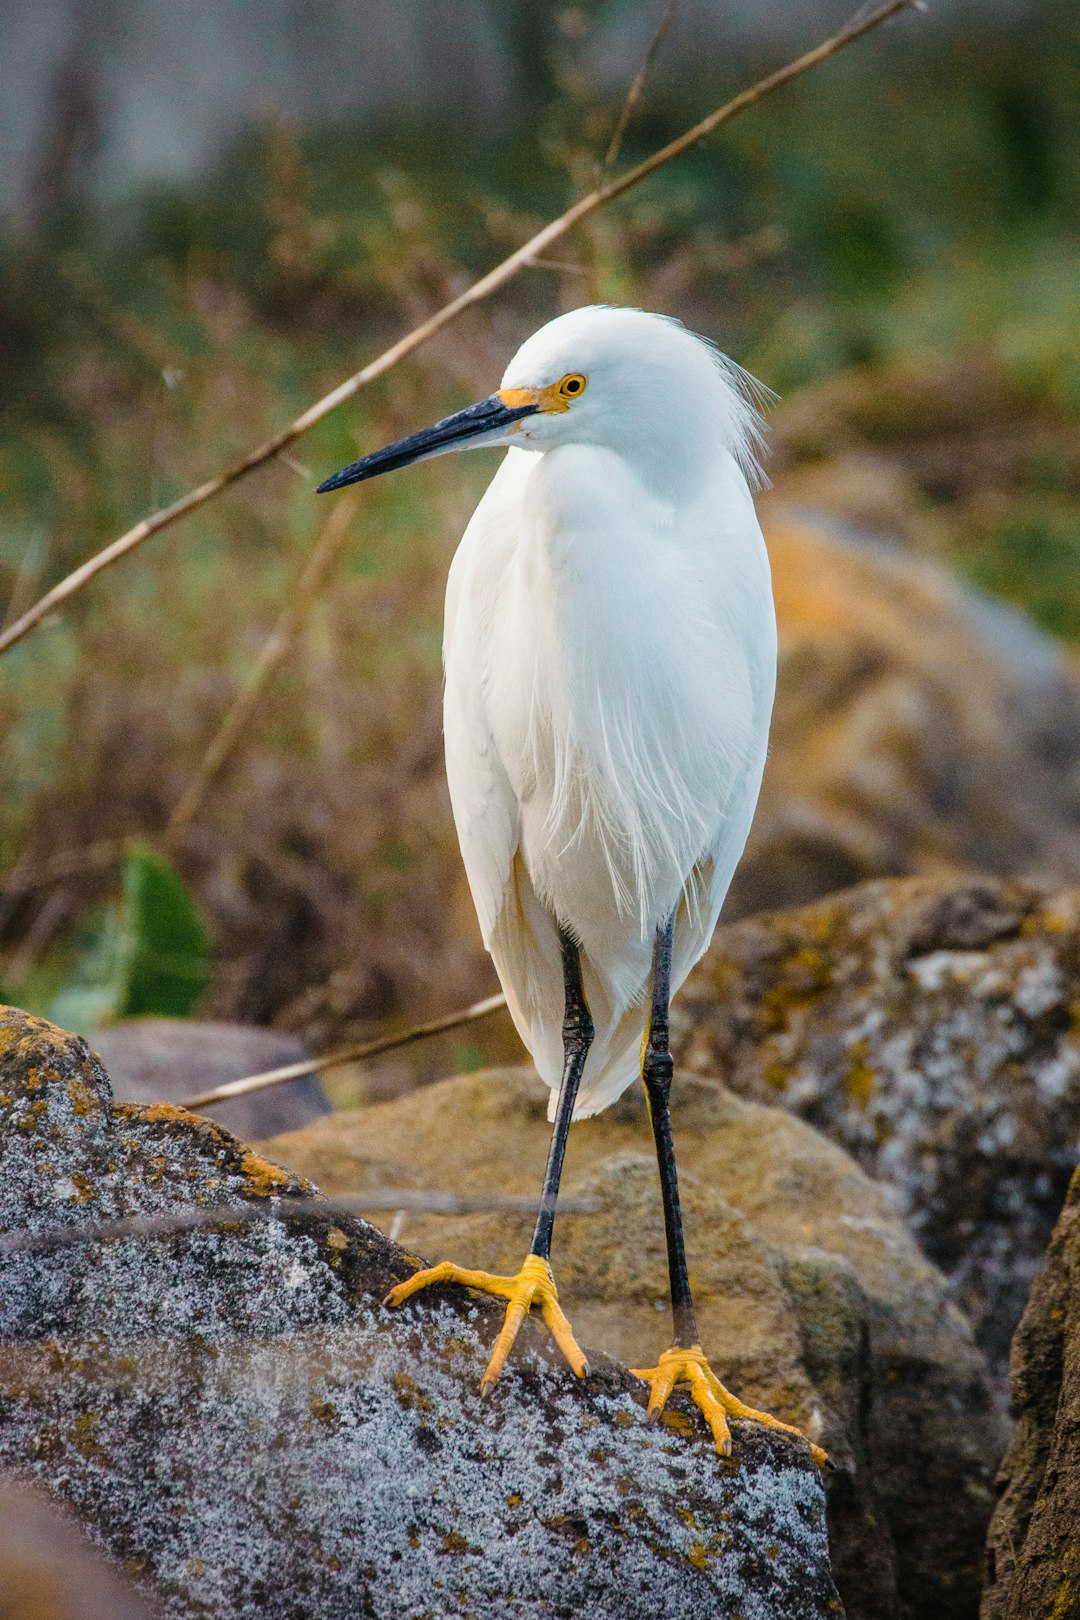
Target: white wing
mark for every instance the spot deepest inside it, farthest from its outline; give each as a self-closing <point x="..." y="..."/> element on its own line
<point x="745" y="579"/>
<point x="734" y="597"/>
<point x="490" y="687"/>
<point x="485" y="809"/>
<point x="516" y="929"/>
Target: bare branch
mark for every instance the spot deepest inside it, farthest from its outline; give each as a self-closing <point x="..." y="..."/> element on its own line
<point x="106" y="851"/>
<point x="103" y="853"/>
<point x="347" y="1054"/>
<point x="634" y="94"/>
<point x="317" y="565"/>
<point x="170" y="1222"/>
<point x="480" y="290"/>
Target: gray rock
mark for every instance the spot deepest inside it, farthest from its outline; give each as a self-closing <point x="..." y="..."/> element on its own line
<point x="927" y="1026"/>
<point x="813" y="1300"/>
<point x="170" y="1059"/>
<point x="232" y="1413"/>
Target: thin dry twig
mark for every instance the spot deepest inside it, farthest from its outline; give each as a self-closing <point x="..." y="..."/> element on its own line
<point x="105" y="851"/>
<point x="599" y="197"/>
<point x="347" y="1054"/>
<point x="563" y="266"/>
<point x="102" y="853"/>
<point x="53" y="913"/>
<point x="318" y="563"/>
<point x="26" y="577"/>
<point x="170" y="1222"/>
<point x="634" y="94"/>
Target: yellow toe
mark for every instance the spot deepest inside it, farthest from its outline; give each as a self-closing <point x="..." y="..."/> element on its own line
<point x="715" y="1403"/>
<point x="532" y="1288"/>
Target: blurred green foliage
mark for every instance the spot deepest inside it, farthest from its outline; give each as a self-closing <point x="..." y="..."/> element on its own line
<point x="146" y="953"/>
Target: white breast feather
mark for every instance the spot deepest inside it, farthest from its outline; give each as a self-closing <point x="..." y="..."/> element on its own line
<point x="611" y="771"/>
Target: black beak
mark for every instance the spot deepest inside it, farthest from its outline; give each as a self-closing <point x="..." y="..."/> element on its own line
<point x="490" y="414"/>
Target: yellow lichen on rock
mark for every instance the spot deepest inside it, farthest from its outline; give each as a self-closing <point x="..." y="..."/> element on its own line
<point x="164" y="1114"/>
<point x="82" y="1099"/>
<point x="263" y="1178"/>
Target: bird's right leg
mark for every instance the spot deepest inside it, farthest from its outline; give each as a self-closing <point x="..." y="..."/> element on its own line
<point x="534" y="1285"/>
<point x="685" y="1362"/>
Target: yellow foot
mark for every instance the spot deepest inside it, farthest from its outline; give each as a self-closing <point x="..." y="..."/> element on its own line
<point x="533" y="1285"/>
<point x="708" y="1394"/>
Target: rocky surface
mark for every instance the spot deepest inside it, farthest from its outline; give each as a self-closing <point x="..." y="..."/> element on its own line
<point x="235" y="1417"/>
<point x="48" y="1570"/>
<point x="170" y="1059"/>
<point x="930" y="1028"/>
<point x="1033" y="1562"/>
<point x="918" y="725"/>
<point x="813" y="1300"/>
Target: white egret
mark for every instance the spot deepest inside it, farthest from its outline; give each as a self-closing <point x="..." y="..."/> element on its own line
<point x="610" y="656"/>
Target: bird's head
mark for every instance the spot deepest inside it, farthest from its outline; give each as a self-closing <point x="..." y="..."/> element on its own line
<point x="622" y="379"/>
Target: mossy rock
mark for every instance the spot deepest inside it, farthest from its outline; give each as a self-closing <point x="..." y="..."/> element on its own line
<point x="235" y="1417"/>
<point x="813" y="1300"/>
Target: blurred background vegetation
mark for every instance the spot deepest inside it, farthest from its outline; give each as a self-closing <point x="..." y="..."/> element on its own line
<point x="893" y="239"/>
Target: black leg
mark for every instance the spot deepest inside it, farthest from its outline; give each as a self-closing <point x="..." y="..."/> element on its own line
<point x="577" y="1038"/>
<point x="656" y="1073"/>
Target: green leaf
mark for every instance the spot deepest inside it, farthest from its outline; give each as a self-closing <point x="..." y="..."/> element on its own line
<point x="169" y="961"/>
<point x="149" y="953"/>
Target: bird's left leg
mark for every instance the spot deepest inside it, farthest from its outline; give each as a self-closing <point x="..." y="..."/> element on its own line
<point x="685" y="1362"/>
<point x="534" y="1285"/>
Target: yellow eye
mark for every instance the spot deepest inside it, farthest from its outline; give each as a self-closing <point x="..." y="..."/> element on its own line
<point x="572" y="385"/>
